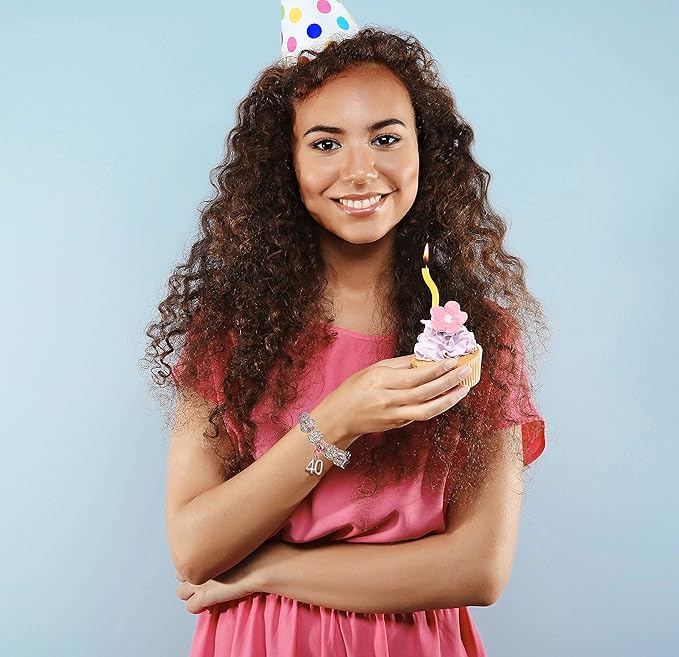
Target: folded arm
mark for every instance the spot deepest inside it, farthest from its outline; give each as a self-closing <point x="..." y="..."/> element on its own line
<point x="467" y="565"/>
<point x="377" y="578"/>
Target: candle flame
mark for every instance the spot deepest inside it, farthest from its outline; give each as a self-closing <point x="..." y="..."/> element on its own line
<point x="426" y="254"/>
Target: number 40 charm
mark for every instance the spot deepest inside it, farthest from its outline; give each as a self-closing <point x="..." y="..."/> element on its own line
<point x="315" y="466"/>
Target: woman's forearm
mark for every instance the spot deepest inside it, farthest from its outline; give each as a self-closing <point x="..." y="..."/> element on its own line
<point x="435" y="572"/>
<point x="257" y="501"/>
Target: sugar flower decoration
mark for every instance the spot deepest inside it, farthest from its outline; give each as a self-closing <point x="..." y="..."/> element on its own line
<point x="448" y="318"/>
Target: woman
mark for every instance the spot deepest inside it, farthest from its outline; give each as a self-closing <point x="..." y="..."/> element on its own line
<point x="295" y="299"/>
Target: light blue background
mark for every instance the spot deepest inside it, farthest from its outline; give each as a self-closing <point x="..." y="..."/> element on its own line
<point x="112" y="114"/>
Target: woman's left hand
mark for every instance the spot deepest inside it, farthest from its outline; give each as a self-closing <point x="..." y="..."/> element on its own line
<point x="244" y="579"/>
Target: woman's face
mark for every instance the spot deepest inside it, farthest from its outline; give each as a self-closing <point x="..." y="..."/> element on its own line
<point x="355" y="139"/>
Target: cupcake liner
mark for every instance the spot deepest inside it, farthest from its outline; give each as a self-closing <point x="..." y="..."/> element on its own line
<point x="473" y="360"/>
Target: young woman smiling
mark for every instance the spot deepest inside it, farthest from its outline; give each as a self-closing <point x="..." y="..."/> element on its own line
<point x="303" y="295"/>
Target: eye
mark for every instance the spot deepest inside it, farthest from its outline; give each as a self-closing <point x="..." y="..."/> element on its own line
<point x="394" y="137"/>
<point x="317" y="144"/>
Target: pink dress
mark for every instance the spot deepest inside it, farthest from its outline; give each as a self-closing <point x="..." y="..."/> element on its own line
<point x="270" y="624"/>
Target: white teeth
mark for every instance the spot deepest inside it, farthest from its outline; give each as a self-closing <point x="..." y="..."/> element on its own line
<point x="360" y="205"/>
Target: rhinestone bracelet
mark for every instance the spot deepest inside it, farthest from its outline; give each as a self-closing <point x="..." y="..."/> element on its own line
<point x="333" y="453"/>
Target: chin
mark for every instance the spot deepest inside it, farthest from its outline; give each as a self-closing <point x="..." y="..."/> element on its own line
<point x="362" y="234"/>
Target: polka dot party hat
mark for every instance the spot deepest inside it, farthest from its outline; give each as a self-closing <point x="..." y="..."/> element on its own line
<point x="313" y="24"/>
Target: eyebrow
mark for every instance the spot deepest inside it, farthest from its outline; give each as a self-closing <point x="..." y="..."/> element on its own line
<point x="339" y="131"/>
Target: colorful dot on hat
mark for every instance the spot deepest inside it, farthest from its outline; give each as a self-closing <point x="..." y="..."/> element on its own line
<point x="295" y="14"/>
<point x="323" y="6"/>
<point x="314" y="31"/>
<point x="282" y="12"/>
<point x="343" y="23"/>
<point x="292" y="44"/>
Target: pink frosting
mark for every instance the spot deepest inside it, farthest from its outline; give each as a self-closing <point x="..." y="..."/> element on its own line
<point x="444" y="336"/>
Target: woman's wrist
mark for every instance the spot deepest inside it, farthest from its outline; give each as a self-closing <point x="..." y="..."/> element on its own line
<point x="270" y="562"/>
<point x="331" y="424"/>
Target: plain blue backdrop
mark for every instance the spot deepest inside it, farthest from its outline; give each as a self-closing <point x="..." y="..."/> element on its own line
<point x="112" y="115"/>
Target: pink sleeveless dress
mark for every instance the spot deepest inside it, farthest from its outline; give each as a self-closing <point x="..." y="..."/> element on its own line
<point x="269" y="624"/>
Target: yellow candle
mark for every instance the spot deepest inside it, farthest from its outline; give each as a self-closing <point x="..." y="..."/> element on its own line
<point x="428" y="280"/>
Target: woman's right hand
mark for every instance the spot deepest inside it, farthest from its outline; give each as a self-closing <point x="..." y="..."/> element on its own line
<point x="391" y="394"/>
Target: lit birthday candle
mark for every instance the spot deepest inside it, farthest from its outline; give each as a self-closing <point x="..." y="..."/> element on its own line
<point x="427" y="278"/>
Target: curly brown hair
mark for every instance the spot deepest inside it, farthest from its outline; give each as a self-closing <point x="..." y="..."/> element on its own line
<point x="256" y="228"/>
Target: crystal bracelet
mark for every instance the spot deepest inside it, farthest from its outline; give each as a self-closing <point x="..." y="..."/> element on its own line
<point x="333" y="453"/>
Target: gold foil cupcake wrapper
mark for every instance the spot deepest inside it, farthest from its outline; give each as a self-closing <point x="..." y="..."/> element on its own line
<point x="474" y="362"/>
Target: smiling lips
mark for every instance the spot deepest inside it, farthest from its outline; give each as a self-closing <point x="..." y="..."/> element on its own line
<point x="361" y="206"/>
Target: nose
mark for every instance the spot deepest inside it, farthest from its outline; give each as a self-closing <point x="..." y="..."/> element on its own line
<point x="359" y="166"/>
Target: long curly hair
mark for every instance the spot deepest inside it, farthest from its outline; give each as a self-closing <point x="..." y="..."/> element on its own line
<point x="256" y="228"/>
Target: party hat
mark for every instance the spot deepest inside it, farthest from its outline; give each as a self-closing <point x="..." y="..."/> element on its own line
<point x="313" y="24"/>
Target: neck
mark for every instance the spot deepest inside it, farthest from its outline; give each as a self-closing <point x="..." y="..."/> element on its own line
<point x="361" y="270"/>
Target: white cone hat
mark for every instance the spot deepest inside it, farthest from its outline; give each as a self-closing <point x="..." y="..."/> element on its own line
<point x="313" y="24"/>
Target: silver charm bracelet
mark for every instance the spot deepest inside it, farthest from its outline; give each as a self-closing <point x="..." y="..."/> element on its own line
<point x="333" y="453"/>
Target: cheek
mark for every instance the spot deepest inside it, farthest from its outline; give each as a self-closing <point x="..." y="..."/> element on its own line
<point x="407" y="170"/>
<point x="314" y="178"/>
<point x="402" y="164"/>
<point x="414" y="162"/>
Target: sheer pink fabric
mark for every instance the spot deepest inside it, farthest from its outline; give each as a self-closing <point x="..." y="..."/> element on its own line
<point x="268" y="624"/>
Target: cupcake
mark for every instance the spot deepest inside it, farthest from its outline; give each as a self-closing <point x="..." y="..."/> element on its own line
<point x="446" y="336"/>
